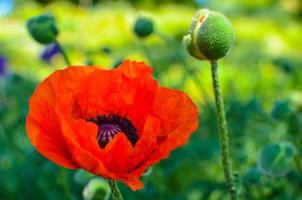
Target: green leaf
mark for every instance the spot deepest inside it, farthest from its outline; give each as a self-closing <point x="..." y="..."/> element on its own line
<point x="277" y="159"/>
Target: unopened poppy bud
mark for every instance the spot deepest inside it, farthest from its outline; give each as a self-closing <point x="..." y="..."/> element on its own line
<point x="143" y="27"/>
<point x="210" y="37"/>
<point x="43" y="29"/>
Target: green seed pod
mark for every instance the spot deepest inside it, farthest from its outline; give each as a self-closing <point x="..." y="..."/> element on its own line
<point x="143" y="27"/>
<point x="43" y="29"/>
<point x="211" y="35"/>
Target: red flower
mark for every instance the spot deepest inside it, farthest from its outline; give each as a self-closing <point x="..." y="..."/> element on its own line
<point x="112" y="123"/>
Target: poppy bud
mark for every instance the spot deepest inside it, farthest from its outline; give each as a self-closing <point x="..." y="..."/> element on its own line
<point x="210" y="37"/>
<point x="43" y="29"/>
<point x="143" y="27"/>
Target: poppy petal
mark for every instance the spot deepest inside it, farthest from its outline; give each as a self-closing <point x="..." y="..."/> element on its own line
<point x="112" y="163"/>
<point x="42" y="124"/>
<point x="98" y="93"/>
<point x="44" y="144"/>
<point x="81" y="149"/>
<point x="127" y="90"/>
<point x="145" y="146"/>
<point x="138" y="91"/>
<point x="179" y="117"/>
<point x="134" y="184"/>
<point x="117" y="154"/>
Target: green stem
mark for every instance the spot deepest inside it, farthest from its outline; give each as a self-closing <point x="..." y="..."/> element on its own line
<point x="116" y="194"/>
<point x="64" y="183"/>
<point x="150" y="58"/>
<point x="223" y="133"/>
<point x="66" y="59"/>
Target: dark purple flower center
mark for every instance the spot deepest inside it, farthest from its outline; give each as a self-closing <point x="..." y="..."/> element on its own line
<point x="110" y="125"/>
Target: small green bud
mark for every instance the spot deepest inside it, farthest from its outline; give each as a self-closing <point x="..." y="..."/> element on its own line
<point x="143" y="27"/>
<point x="96" y="188"/>
<point x="211" y="35"/>
<point x="43" y="29"/>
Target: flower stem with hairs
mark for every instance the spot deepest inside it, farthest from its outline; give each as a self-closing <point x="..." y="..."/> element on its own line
<point x="223" y="132"/>
<point x="116" y="194"/>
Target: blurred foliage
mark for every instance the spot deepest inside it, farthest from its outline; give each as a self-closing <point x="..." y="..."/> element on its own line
<point x="261" y="82"/>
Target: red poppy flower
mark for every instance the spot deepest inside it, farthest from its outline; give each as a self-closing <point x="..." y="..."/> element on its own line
<point x="112" y="123"/>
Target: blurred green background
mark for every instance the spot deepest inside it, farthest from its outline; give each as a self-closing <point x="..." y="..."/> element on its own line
<point x="261" y="83"/>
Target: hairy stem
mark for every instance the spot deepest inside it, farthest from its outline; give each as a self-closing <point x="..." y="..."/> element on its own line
<point x="223" y="133"/>
<point x="116" y="194"/>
